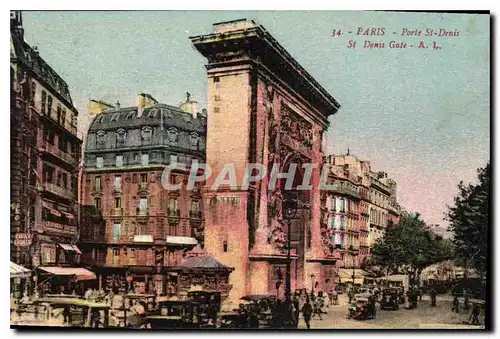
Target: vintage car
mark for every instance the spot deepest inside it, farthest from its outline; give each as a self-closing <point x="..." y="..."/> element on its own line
<point x="363" y="308"/>
<point x="389" y="300"/>
<point x="69" y="312"/>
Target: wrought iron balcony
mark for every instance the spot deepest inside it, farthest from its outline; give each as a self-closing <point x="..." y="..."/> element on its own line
<point x="60" y="191"/>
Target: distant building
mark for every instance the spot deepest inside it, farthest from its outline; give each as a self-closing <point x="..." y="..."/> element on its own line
<point x="357" y="209"/>
<point x="45" y="157"/>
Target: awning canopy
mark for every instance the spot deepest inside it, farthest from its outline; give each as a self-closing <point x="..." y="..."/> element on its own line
<point x="67" y="215"/>
<point x="51" y="209"/>
<point x="80" y="272"/>
<point x="174" y="240"/>
<point x="71" y="248"/>
<point x="204" y="263"/>
<point x="145" y="238"/>
<point x="18" y="271"/>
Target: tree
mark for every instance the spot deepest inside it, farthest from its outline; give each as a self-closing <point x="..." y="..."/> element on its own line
<point x="410" y="244"/>
<point x="469" y="221"/>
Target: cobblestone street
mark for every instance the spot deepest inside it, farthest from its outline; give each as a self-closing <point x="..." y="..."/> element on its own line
<point x="422" y="317"/>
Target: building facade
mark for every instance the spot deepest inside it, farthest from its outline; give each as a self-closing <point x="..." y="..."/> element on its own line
<point x="45" y="158"/>
<point x="264" y="108"/>
<point x="358" y="206"/>
<point x="136" y="233"/>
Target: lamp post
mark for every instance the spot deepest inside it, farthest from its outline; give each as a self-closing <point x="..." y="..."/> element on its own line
<point x="312" y="283"/>
<point x="289" y="212"/>
<point x="353" y="252"/>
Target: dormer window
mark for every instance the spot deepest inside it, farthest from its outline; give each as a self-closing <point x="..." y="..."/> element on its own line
<point x="146" y="134"/>
<point x="120" y="137"/>
<point x="173" y="135"/>
<point x="152" y="113"/>
<point x="130" y="115"/>
<point x="115" y="117"/>
<point x="101" y="138"/>
<point x="194" y="139"/>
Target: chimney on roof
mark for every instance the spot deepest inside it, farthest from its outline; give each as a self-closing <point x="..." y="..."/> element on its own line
<point x="16" y="23"/>
<point x="117" y="105"/>
<point x="144" y="100"/>
<point x="189" y="106"/>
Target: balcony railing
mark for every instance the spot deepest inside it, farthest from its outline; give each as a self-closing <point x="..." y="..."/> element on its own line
<point x="143" y="212"/>
<point x="195" y="214"/>
<point x="53" y="149"/>
<point x="344" y="190"/>
<point x="60" y="227"/>
<point x="117" y="211"/>
<point x="173" y="213"/>
<point x="61" y="191"/>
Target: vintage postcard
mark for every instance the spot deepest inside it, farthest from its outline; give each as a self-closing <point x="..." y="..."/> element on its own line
<point x="249" y="170"/>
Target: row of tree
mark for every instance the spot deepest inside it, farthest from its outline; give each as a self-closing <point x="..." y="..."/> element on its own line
<point x="412" y="245"/>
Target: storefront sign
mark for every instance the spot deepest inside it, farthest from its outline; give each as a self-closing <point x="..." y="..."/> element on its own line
<point x="23" y="239"/>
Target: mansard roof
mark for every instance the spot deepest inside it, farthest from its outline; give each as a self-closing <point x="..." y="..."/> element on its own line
<point x="32" y="60"/>
<point x="128" y="118"/>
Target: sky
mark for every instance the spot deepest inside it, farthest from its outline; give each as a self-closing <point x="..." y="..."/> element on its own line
<point x="421" y="115"/>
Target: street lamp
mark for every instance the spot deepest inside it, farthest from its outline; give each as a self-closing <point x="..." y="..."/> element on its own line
<point x="312" y="283"/>
<point x="353" y="252"/>
<point x="289" y="212"/>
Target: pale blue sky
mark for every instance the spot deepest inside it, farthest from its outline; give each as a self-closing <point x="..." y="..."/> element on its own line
<point x="420" y="115"/>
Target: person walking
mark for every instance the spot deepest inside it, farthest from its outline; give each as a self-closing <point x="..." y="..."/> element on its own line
<point x="455" y="305"/>
<point x="433" y="294"/>
<point x="335" y="297"/>
<point x="474" y="314"/>
<point x="307" y="311"/>
<point x="466" y="300"/>
<point x="296" y="305"/>
<point x="317" y="307"/>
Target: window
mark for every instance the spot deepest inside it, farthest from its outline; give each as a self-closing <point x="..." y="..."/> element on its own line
<point x="118" y="183"/>
<point x="118" y="202"/>
<point x="59" y="112"/>
<point x="33" y="93"/>
<point x="119" y="160"/>
<point x="172" y="134"/>
<point x="224" y="245"/>
<point x="216" y="97"/>
<point x="143" y="204"/>
<point x="216" y="110"/>
<point x="65" y="180"/>
<point x="173" y="159"/>
<point x="195" y="209"/>
<point x="101" y="138"/>
<point x="342" y="205"/>
<point x="52" y="137"/>
<point x="63" y="117"/>
<point x="173" y="207"/>
<point x="146" y="134"/>
<point x="44" y="101"/>
<point x="334" y="200"/>
<point x="145" y="159"/>
<point x="97" y="182"/>
<point x="216" y="79"/>
<point x="49" y="105"/>
<point x="144" y="178"/>
<point x="97" y="203"/>
<point x="120" y="137"/>
<point x="99" y="162"/>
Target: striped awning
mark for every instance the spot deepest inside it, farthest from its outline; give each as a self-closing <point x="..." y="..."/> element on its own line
<point x="18" y="271"/>
<point x="51" y="209"/>
<point x="70" y="248"/>
<point x="80" y="272"/>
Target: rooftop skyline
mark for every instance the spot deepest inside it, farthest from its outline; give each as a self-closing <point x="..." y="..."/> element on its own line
<point x="421" y="116"/>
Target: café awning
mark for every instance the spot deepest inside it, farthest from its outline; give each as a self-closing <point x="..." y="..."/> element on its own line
<point x="18" y="271"/>
<point x="345" y="275"/>
<point x="80" y="272"/>
<point x="70" y="248"/>
<point x="174" y="240"/>
<point x="52" y="210"/>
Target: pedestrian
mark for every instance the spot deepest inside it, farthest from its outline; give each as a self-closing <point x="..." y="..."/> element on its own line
<point x="296" y="305"/>
<point x="307" y="311"/>
<point x="433" y="294"/>
<point x="335" y="297"/>
<point x="317" y="308"/>
<point x="327" y="301"/>
<point x="466" y="300"/>
<point x="455" y="305"/>
<point x="350" y="294"/>
<point x="475" y="314"/>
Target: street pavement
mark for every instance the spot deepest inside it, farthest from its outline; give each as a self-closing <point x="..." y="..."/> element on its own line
<point x="424" y="316"/>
